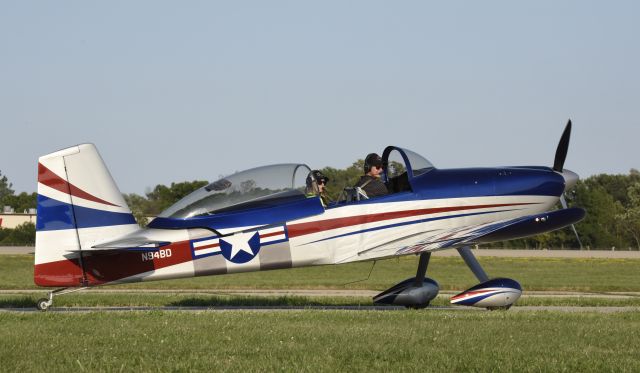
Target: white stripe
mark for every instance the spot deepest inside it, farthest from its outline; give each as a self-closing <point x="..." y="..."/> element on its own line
<point x="49" y="192"/>
<point x="225" y="231"/>
<point x="206" y="251"/>
<point x="273" y="238"/>
<point x="205" y="243"/>
<point x="272" y="230"/>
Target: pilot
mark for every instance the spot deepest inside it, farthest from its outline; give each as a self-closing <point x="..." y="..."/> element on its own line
<point x="370" y="183"/>
<point x="316" y="182"/>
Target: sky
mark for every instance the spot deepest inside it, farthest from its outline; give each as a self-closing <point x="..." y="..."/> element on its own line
<point x="172" y="91"/>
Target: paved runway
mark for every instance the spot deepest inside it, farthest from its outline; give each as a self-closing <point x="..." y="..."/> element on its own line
<point x="16" y="250"/>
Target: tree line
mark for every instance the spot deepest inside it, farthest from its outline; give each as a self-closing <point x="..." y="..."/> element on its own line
<point x="612" y="203"/>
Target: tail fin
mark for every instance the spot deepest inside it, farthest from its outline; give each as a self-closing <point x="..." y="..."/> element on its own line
<point x="79" y="204"/>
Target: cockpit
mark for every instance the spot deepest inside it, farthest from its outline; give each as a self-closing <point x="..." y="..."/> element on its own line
<point x="401" y="166"/>
<point x="272" y="193"/>
<point x="259" y="187"/>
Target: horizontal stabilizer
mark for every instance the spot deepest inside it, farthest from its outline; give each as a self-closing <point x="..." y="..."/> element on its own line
<point x="131" y="243"/>
<point x="141" y="244"/>
<point x="115" y="250"/>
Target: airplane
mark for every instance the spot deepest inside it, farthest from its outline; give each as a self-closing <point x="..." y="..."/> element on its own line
<point x="263" y="219"/>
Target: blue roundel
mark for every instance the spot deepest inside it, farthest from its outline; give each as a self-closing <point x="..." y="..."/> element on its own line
<point x="239" y="250"/>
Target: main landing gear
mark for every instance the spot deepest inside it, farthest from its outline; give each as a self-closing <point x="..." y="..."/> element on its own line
<point x="415" y="292"/>
<point x="44" y="303"/>
<point x="492" y="294"/>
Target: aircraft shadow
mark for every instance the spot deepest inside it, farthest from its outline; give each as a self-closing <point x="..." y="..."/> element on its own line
<point x="269" y="302"/>
<point x="17" y="302"/>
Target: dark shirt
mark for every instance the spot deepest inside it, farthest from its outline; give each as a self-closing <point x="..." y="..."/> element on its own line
<point x="373" y="186"/>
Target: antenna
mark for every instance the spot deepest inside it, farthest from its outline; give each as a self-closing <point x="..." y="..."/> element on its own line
<point x="368" y="276"/>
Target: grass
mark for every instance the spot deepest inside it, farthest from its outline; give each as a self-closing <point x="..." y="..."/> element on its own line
<point x="313" y="340"/>
<point x="16" y="272"/>
<point x="328" y="340"/>
<point x="89" y="299"/>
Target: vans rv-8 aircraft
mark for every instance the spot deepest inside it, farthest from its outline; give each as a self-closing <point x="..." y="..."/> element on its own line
<point x="262" y="219"/>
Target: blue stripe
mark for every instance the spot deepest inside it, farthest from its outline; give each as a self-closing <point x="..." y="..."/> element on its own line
<point x="58" y="215"/>
<point x="53" y="215"/>
<point x="473" y="300"/>
<point x="406" y="223"/>
<point x="260" y="216"/>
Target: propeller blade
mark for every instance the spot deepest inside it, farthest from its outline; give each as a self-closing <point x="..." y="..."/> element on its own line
<point x="563" y="202"/>
<point x="563" y="147"/>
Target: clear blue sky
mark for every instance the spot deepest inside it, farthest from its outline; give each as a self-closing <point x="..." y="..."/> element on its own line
<point x="174" y="91"/>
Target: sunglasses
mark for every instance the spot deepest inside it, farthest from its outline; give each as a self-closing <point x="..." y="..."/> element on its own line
<point x="378" y="166"/>
<point x="321" y="182"/>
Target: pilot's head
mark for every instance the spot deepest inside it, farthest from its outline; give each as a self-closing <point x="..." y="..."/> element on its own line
<point x="316" y="181"/>
<point x="373" y="164"/>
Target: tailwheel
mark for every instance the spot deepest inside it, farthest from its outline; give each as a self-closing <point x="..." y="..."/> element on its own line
<point x="43" y="304"/>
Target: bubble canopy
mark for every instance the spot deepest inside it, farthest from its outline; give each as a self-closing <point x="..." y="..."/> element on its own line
<point x="254" y="188"/>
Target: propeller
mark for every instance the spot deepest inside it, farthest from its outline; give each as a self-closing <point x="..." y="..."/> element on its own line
<point x="563" y="147"/>
<point x="558" y="165"/>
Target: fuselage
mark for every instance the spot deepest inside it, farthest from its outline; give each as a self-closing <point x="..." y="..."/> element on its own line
<point x="382" y="227"/>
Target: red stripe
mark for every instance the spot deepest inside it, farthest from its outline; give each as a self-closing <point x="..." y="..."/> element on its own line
<point x="60" y="273"/>
<point x="206" y="246"/>
<point x="302" y="229"/>
<point x="470" y="294"/>
<point x="105" y="267"/>
<point x="50" y="179"/>
<point x="271" y="234"/>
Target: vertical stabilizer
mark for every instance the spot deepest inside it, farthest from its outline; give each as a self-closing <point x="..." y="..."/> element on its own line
<point x="78" y="204"/>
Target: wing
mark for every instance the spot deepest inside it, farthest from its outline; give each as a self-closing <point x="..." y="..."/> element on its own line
<point x="503" y="230"/>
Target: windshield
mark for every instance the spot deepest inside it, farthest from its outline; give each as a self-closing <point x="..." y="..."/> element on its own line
<point x="258" y="187"/>
<point x="419" y="164"/>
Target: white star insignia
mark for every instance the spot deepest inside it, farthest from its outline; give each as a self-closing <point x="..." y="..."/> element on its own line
<point x="239" y="244"/>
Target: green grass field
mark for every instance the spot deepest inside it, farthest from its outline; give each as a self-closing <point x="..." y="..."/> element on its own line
<point x="328" y="340"/>
<point x="598" y="275"/>
<point x="311" y="340"/>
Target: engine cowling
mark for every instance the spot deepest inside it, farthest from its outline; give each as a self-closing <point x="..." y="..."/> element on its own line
<point x="407" y="294"/>
<point x="496" y="293"/>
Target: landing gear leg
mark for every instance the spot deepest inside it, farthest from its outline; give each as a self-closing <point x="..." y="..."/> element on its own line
<point x="473" y="264"/>
<point x="44" y="303"/>
<point x="423" y="264"/>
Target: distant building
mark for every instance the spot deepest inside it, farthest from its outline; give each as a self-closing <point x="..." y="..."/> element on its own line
<point x="10" y="219"/>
